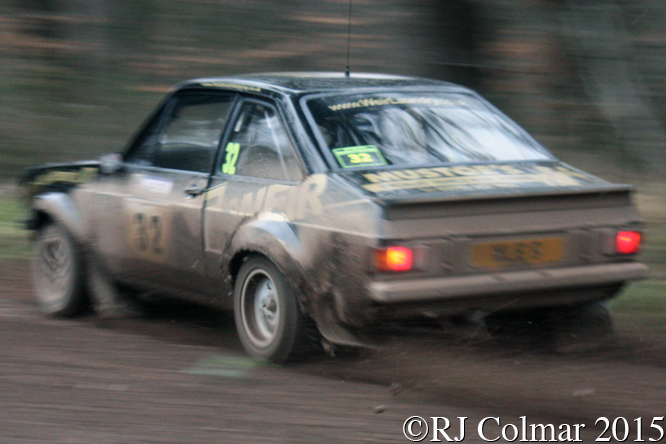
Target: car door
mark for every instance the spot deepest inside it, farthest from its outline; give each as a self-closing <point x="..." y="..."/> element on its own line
<point x="257" y="171"/>
<point x="161" y="193"/>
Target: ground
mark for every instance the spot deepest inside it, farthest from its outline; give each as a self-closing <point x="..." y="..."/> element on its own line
<point x="180" y="376"/>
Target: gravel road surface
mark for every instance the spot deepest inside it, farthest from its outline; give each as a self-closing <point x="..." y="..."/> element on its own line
<point x="180" y="376"/>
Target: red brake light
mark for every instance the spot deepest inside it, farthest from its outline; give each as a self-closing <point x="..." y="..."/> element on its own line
<point x="628" y="242"/>
<point x="394" y="259"/>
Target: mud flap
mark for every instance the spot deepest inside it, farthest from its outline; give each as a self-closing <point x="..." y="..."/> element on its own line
<point x="107" y="300"/>
<point x="334" y="331"/>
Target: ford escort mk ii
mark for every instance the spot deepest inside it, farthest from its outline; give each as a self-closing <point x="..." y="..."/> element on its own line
<point x="331" y="204"/>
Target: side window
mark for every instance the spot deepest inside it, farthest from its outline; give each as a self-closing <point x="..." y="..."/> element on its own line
<point x="190" y="136"/>
<point x="259" y="146"/>
<point x="144" y="147"/>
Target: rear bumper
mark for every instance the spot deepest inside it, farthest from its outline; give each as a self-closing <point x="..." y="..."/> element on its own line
<point x="442" y="289"/>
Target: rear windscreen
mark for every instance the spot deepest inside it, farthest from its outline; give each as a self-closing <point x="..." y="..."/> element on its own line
<point x="415" y="128"/>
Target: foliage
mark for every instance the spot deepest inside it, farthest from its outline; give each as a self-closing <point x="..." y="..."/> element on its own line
<point x="14" y="239"/>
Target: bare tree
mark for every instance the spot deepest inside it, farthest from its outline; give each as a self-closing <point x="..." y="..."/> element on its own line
<point x="598" y="37"/>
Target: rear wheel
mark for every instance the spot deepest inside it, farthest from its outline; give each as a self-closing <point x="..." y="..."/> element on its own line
<point x="530" y="328"/>
<point x="268" y="318"/>
<point x="583" y="328"/>
<point x="57" y="272"/>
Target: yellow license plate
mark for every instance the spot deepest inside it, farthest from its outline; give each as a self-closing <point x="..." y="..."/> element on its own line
<point x="528" y="252"/>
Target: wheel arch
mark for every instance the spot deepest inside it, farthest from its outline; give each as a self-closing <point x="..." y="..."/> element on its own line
<point x="276" y="239"/>
<point x="272" y="236"/>
<point x="56" y="207"/>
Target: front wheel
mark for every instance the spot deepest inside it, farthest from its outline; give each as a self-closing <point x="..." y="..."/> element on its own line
<point x="269" y="322"/>
<point x="57" y="272"/>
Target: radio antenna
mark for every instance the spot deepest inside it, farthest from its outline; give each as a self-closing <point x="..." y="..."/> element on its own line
<point x="349" y="37"/>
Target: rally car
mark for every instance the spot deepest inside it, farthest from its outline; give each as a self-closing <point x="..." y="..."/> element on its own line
<point x="338" y="202"/>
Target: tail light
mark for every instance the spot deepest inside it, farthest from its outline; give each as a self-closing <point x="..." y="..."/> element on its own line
<point x="628" y="242"/>
<point x="394" y="259"/>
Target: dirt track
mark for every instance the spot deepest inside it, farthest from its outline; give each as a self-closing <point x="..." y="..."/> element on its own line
<point x="180" y="376"/>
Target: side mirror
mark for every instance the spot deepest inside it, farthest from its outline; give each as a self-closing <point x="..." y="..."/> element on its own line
<point x="111" y="163"/>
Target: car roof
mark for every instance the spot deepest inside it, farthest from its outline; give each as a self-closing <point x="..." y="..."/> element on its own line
<point x="314" y="82"/>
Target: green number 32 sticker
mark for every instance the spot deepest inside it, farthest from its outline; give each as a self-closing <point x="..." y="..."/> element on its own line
<point x="229" y="166"/>
<point x="359" y="156"/>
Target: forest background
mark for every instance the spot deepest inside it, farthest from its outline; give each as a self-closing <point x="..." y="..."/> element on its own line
<point x="585" y="77"/>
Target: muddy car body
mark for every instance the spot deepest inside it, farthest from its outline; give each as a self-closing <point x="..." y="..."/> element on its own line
<point x="349" y="201"/>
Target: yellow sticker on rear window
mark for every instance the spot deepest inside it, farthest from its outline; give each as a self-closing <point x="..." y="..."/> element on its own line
<point x="359" y="156"/>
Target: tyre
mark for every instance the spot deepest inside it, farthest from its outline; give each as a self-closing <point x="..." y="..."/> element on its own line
<point x="57" y="272"/>
<point x="268" y="319"/>
<point x="524" y="328"/>
<point x="579" y="328"/>
<point x="583" y="328"/>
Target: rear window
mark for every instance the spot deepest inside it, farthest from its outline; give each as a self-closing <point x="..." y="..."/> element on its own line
<point x="416" y="128"/>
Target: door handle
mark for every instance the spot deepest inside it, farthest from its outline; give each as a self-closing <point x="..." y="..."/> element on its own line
<point x="195" y="190"/>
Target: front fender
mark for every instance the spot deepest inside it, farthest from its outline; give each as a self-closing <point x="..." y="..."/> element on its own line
<point x="59" y="207"/>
